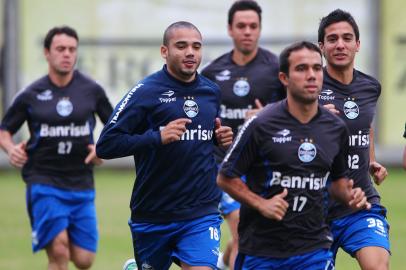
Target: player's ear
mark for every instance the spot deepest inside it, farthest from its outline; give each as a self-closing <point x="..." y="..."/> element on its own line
<point x="164" y="52"/>
<point x="321" y="45"/>
<point x="283" y="77"/>
<point x="46" y="54"/>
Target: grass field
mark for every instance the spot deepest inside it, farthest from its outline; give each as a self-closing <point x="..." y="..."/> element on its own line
<point x="113" y="194"/>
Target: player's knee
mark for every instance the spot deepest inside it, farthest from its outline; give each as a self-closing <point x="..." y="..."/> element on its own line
<point x="83" y="261"/>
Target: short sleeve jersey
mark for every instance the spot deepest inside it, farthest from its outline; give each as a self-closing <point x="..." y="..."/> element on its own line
<point x="275" y="151"/>
<point x="356" y="103"/>
<point x="241" y="85"/>
<point x="61" y="123"/>
<point x="175" y="181"/>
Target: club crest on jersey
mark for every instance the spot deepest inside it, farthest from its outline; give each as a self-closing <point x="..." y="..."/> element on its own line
<point x="64" y="107"/>
<point x="190" y="107"/>
<point x="326" y="94"/>
<point x="307" y="151"/>
<point x="241" y="87"/>
<point x="45" y="95"/>
<point x="223" y="76"/>
<point x="147" y="266"/>
<point x="351" y="109"/>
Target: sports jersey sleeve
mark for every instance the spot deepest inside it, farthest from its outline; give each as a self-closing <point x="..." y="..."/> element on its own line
<point x="103" y="106"/>
<point x="242" y="152"/>
<point x="15" y="115"/>
<point x="127" y="130"/>
<point x="340" y="165"/>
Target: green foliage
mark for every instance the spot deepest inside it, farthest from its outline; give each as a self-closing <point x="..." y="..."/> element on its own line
<point x="114" y="188"/>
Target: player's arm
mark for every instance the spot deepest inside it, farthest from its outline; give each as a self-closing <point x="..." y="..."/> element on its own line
<point x="16" y="152"/>
<point x="273" y="208"/>
<point x="377" y="171"/>
<point x="127" y="130"/>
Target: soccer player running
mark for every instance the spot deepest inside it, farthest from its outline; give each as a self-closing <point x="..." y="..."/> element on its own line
<point x="287" y="152"/>
<point x="169" y="122"/>
<point x="248" y="78"/>
<point x="57" y="161"/>
<point x="353" y="96"/>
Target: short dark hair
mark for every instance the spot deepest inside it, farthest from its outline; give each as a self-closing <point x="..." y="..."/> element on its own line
<point x="179" y="24"/>
<point x="336" y="16"/>
<point x="243" y="5"/>
<point x="285" y="54"/>
<point x="69" y="31"/>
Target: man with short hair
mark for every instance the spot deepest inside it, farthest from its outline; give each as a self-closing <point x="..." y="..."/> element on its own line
<point x="248" y="78"/>
<point x="287" y="164"/>
<point x="169" y="122"/>
<point x="57" y="161"/>
<point x="353" y="96"/>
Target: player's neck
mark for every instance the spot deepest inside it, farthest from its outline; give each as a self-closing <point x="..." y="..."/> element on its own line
<point x="242" y="59"/>
<point x="344" y="75"/>
<point x="304" y="113"/>
<point x="60" y="80"/>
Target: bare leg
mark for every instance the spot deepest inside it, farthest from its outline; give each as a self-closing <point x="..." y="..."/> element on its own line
<point x="373" y="258"/>
<point x="58" y="252"/>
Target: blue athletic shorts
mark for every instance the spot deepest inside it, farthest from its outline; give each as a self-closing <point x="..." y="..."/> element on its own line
<point x="228" y="204"/>
<point x="195" y="242"/>
<point x="321" y="259"/>
<point x="53" y="210"/>
<point x="365" y="228"/>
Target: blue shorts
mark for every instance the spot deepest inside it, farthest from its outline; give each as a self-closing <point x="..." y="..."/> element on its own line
<point x="195" y="242"/>
<point x="321" y="259"/>
<point x="228" y="204"/>
<point x="53" y="210"/>
<point x="365" y="228"/>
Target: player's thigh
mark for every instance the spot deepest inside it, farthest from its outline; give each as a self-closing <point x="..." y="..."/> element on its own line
<point x="199" y="243"/>
<point x="82" y="229"/>
<point x="368" y="228"/>
<point x="152" y="244"/>
<point x="371" y="258"/>
<point x="48" y="215"/>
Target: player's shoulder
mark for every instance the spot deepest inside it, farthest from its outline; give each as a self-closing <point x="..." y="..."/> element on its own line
<point x="267" y="56"/>
<point x="275" y="110"/>
<point x="86" y="82"/>
<point x="365" y="78"/>
<point x="205" y="82"/>
<point x="219" y="62"/>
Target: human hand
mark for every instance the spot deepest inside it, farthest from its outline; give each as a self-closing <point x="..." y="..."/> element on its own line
<point x="358" y="200"/>
<point x="378" y="172"/>
<point x="92" y="157"/>
<point x="174" y="130"/>
<point x="275" y="207"/>
<point x="331" y="108"/>
<point x="253" y="112"/>
<point x="17" y="155"/>
<point x="224" y="134"/>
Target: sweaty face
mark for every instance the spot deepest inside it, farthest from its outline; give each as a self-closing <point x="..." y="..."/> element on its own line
<point x="245" y="30"/>
<point x="183" y="53"/>
<point x="340" y="45"/>
<point x="305" y="76"/>
<point x="62" y="54"/>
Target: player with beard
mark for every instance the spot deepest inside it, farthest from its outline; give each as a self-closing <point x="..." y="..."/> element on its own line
<point x="287" y="152"/>
<point x="169" y="123"/>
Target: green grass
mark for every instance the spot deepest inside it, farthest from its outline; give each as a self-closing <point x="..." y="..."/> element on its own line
<point x="113" y="194"/>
